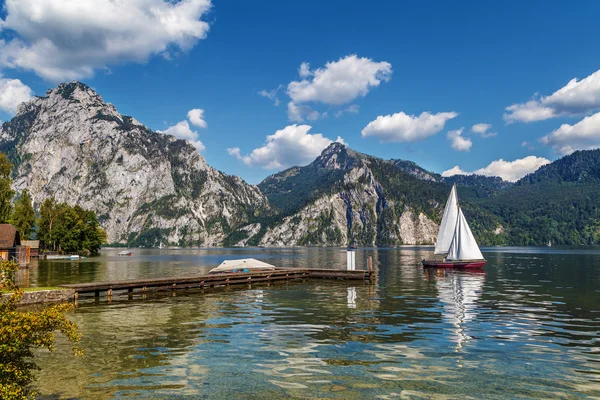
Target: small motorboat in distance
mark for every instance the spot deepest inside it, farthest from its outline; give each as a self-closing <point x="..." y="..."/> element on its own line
<point x="126" y="253"/>
<point x="455" y="241"/>
<point x="242" y="265"/>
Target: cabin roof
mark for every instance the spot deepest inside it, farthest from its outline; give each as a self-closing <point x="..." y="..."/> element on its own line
<point x="9" y="236"/>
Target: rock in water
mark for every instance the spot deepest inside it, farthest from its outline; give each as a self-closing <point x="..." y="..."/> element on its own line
<point x="145" y="187"/>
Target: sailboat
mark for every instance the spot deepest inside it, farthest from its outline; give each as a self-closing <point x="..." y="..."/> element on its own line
<point x="455" y="240"/>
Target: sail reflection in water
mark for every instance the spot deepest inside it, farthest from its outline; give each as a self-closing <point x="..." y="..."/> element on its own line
<point x="459" y="292"/>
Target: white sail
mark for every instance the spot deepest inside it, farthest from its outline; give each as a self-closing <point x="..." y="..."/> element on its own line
<point x="463" y="245"/>
<point x="448" y="223"/>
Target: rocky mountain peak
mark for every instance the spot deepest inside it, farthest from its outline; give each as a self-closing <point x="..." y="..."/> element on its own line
<point x="146" y="187"/>
<point x="338" y="156"/>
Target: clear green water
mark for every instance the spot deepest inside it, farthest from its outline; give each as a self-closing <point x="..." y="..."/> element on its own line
<point x="529" y="327"/>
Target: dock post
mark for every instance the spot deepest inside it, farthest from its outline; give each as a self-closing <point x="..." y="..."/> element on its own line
<point x="97" y="293"/>
<point x="370" y="263"/>
<point x="350" y="260"/>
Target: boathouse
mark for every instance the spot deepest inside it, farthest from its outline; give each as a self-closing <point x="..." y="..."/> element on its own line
<point x="10" y="245"/>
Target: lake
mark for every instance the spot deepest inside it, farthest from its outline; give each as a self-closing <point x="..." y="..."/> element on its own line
<point x="526" y="327"/>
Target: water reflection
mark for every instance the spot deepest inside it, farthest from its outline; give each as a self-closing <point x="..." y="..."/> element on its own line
<point x="459" y="292"/>
<point x="527" y="328"/>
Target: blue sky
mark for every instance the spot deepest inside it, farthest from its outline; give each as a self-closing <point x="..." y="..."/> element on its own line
<point x="473" y="59"/>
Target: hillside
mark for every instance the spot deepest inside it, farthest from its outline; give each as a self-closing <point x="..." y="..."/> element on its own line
<point x="348" y="197"/>
<point x="145" y="187"/>
<point x="391" y="202"/>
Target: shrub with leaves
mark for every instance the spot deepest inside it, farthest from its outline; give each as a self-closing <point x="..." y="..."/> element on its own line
<point x="22" y="331"/>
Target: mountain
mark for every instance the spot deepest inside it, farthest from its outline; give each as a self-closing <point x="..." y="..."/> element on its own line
<point x="392" y="202"/>
<point x="579" y="167"/>
<point x="145" y="187"/>
<point x="348" y="197"/>
<point x="560" y="202"/>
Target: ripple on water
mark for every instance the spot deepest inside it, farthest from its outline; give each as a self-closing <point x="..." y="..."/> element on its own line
<point x="526" y="328"/>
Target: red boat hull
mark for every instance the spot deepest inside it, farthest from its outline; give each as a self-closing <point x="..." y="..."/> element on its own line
<point x="453" y="264"/>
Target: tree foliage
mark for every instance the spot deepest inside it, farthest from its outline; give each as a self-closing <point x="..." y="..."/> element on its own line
<point x="6" y="192"/>
<point x="62" y="227"/>
<point x="23" y="331"/>
<point x="23" y="215"/>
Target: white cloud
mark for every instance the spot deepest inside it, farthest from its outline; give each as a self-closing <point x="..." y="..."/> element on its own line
<point x="339" y="82"/>
<point x="66" y="40"/>
<point x="271" y="94"/>
<point x="510" y="171"/>
<point x="455" y="171"/>
<point x="459" y="143"/>
<point x="290" y="146"/>
<point x="12" y="93"/>
<point x="182" y="130"/>
<point x="351" y="109"/>
<point x="583" y="135"/>
<point x="576" y="98"/>
<point x="401" y="127"/>
<point x="196" y="117"/>
<point x="298" y="113"/>
<point x="482" y="130"/>
<point x="304" y="70"/>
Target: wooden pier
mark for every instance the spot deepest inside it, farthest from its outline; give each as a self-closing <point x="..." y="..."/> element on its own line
<point x="212" y="280"/>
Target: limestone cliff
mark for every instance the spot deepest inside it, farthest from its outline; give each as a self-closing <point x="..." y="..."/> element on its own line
<point x="146" y="187"/>
<point x="346" y="197"/>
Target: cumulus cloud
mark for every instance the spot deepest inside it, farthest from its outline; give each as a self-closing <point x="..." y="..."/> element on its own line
<point x="583" y="135"/>
<point x="401" y="127"/>
<point x="66" y="40"/>
<point x="304" y="70"/>
<point x="458" y="142"/>
<point x="196" y="117"/>
<point x="455" y="171"/>
<point x="12" y="93"/>
<point x="339" y="82"/>
<point x="182" y="130"/>
<point x="510" y="171"/>
<point x="576" y="98"/>
<point x="482" y="130"/>
<point x="290" y="146"/>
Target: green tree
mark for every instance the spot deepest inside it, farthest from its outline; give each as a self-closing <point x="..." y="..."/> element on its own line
<point x="69" y="229"/>
<point x="49" y="212"/>
<point x="23" y="331"/>
<point x="6" y="192"/>
<point x="23" y="216"/>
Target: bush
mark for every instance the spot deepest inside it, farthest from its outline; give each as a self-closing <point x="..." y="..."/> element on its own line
<point x="23" y="331"/>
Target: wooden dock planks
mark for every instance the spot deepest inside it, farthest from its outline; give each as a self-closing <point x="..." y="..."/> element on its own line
<point x="211" y="280"/>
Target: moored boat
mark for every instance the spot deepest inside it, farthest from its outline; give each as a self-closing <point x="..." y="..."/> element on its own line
<point x="456" y="246"/>
<point x="126" y="253"/>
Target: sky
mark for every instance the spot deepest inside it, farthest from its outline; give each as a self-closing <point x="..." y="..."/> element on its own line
<point x="258" y="86"/>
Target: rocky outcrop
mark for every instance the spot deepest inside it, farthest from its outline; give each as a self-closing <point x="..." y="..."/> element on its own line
<point x="355" y="206"/>
<point x="145" y="187"/>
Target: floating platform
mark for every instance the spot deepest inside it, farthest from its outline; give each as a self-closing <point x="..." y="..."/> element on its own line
<point x="212" y="280"/>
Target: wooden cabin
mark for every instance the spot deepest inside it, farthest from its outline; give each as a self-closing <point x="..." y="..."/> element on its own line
<point x="10" y="245"/>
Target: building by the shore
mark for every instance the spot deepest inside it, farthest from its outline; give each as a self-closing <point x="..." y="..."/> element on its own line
<point x="10" y="245"/>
